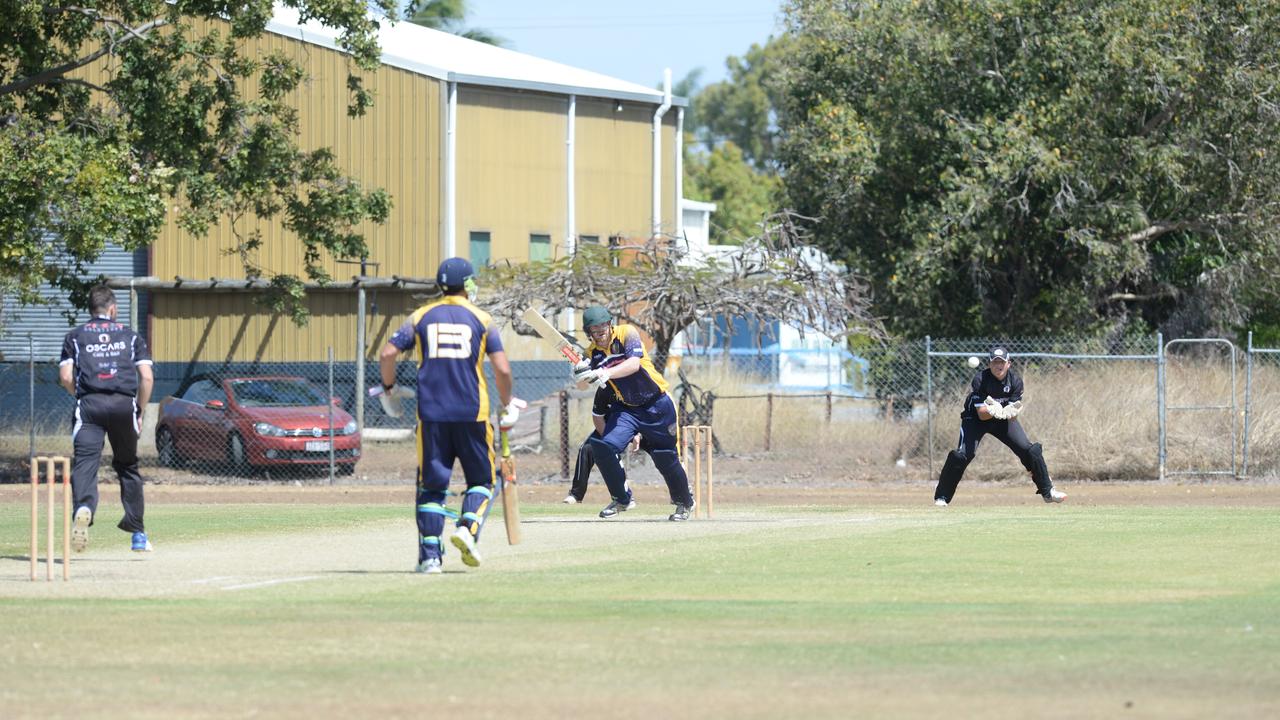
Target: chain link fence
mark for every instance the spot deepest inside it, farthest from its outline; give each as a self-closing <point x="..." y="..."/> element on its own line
<point x="1121" y="408"/>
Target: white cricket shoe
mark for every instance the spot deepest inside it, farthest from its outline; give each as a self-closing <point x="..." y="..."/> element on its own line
<point x="80" y="529"/>
<point x="570" y="500"/>
<point x="430" y="566"/>
<point x="940" y="502"/>
<point x="1054" y="496"/>
<point x="614" y="508"/>
<point x="466" y="544"/>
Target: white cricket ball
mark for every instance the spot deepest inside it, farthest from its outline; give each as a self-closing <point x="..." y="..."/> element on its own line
<point x="973" y="361"/>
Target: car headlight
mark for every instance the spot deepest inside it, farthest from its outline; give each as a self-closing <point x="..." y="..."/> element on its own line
<point x="349" y="428"/>
<point x="268" y="429"/>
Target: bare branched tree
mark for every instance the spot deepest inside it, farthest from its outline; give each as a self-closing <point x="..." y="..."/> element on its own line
<point x="662" y="289"/>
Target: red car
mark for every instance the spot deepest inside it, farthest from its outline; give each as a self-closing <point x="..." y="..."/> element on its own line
<point x="254" y="422"/>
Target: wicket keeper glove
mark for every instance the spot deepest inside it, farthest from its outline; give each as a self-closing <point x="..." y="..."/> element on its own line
<point x="996" y="410"/>
<point x="1012" y="409"/>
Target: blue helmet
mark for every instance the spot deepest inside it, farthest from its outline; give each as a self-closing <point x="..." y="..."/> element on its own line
<point x="454" y="273"/>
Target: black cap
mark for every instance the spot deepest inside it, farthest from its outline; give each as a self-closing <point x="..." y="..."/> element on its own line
<point x="998" y="353"/>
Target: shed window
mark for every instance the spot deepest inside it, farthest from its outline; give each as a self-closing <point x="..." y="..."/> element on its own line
<point x="539" y="248"/>
<point x="480" y="249"/>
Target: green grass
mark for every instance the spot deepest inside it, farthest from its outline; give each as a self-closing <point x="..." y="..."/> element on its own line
<point x="992" y="612"/>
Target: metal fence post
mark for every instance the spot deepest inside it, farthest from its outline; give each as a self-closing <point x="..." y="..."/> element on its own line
<point x="928" y="397"/>
<point x="564" y="434"/>
<point x="31" y="396"/>
<point x="360" y="348"/>
<point x="1162" y="449"/>
<point x="768" y="423"/>
<point x="331" y="458"/>
<point x="1248" y="404"/>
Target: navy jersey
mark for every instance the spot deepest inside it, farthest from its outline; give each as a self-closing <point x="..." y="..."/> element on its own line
<point x="451" y="337"/>
<point x="986" y="385"/>
<point x="105" y="355"/>
<point x="640" y="388"/>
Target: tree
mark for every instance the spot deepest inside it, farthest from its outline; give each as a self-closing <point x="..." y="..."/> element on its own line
<point x="774" y="276"/>
<point x="449" y="16"/>
<point x="1018" y="166"/>
<point x="742" y="108"/>
<point x="113" y="111"/>
<point x="743" y="196"/>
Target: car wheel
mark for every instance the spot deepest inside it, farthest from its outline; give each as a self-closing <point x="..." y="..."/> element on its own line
<point x="344" y="469"/>
<point x="237" y="455"/>
<point x="165" y="448"/>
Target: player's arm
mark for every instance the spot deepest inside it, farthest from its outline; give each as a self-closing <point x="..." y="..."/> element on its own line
<point x="67" y="365"/>
<point x="502" y="375"/>
<point x="387" y="360"/>
<point x="146" y="381"/>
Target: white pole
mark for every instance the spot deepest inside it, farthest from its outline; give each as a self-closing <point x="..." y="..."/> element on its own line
<point x="657" y="150"/>
<point x="679" y="179"/>
<point x="571" y="224"/>
<point x="450" y="244"/>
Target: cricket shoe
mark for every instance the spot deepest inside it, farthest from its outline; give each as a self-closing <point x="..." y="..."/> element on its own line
<point x="466" y="544"/>
<point x="682" y="512"/>
<point x="140" y="543"/>
<point x="615" y="507"/>
<point x="940" y="502"/>
<point x="80" y="529"/>
<point x="430" y="566"/>
<point x="570" y="500"/>
<point x="1054" y="496"/>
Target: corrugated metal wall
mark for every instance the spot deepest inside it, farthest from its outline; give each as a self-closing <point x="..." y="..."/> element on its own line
<point x="613" y="173"/>
<point x="47" y="324"/>
<point x="510" y="168"/>
<point x="230" y="327"/>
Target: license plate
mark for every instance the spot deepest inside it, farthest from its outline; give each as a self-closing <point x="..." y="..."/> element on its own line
<point x="317" y="446"/>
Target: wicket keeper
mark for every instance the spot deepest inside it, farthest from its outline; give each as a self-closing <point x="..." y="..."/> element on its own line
<point x="992" y="407"/>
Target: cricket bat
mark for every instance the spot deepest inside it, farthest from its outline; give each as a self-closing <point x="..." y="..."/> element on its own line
<point x="510" y="498"/>
<point x="548" y="332"/>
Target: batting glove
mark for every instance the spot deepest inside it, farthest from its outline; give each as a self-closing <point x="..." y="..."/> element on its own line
<point x="511" y="413"/>
<point x="598" y="378"/>
<point x="581" y="370"/>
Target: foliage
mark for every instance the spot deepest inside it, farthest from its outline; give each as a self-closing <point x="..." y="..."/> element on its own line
<point x="1040" y="167"/>
<point x="742" y="108"/>
<point x="743" y="196"/>
<point x="113" y="111"/>
<point x="448" y="16"/>
<point x="774" y="276"/>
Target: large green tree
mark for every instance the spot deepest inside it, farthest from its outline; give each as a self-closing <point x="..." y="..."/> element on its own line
<point x="744" y="196"/>
<point x="1032" y="166"/>
<point x="742" y="108"/>
<point x="88" y="157"/>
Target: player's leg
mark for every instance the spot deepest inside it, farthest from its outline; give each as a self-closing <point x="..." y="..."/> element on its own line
<point x="435" y="465"/>
<point x="87" y="434"/>
<point x="474" y="444"/>
<point x="1032" y="457"/>
<point x="656" y="432"/>
<point x="620" y="427"/>
<point x="971" y="432"/>
<point x="122" y="430"/>
<point x="581" y="472"/>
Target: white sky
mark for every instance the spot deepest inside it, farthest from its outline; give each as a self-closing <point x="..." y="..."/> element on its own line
<point x="632" y="40"/>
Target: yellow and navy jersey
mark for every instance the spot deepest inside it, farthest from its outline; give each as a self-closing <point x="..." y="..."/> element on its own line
<point x="638" y="389"/>
<point x="451" y="337"/>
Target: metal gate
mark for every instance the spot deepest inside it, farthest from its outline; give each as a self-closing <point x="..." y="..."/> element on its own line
<point x="1231" y="406"/>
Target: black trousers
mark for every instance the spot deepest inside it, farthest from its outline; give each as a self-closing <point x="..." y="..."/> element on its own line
<point x="972" y="431"/>
<point x="116" y="418"/>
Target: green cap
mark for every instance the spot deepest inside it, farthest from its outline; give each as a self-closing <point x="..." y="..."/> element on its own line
<point x="595" y="315"/>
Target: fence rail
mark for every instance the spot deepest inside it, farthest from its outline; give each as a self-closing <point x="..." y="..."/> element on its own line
<point x="1130" y="408"/>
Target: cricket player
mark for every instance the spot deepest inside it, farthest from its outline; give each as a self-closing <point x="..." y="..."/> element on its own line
<point x="992" y="407"/>
<point x="617" y="360"/>
<point x="582" y="466"/>
<point x="452" y="337"/>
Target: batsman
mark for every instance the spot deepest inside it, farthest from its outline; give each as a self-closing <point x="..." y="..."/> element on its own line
<point x="452" y="338"/>
<point x="992" y="408"/>
<point x="617" y="359"/>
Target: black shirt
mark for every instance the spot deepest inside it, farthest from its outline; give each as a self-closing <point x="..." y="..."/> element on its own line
<point x="986" y="385"/>
<point x="105" y="354"/>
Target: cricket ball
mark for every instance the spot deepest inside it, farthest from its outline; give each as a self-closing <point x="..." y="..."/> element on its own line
<point x="973" y="361"/>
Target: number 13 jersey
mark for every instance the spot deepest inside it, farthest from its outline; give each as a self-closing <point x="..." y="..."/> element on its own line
<point x="451" y="337"/>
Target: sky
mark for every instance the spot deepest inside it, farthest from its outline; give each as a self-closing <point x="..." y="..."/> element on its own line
<point x="631" y="40"/>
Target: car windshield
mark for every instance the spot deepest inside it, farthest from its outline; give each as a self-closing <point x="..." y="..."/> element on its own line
<point x="275" y="393"/>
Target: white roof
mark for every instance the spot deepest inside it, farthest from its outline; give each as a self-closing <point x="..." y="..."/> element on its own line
<point x="454" y="58"/>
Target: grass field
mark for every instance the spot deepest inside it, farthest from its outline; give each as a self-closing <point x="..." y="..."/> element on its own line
<point x="1143" y="601"/>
